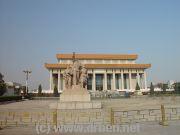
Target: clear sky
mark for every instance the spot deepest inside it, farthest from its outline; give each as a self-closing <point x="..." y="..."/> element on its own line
<point x="32" y="32"/>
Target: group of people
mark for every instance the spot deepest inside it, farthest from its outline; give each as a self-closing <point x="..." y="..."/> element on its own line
<point x="75" y="74"/>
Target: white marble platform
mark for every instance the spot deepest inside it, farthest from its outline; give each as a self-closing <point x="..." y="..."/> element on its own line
<point x="76" y="105"/>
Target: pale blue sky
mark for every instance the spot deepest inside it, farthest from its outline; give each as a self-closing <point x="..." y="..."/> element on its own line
<point x="33" y="31"/>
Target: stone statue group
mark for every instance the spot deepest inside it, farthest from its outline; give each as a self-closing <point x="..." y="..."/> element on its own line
<point x="75" y="74"/>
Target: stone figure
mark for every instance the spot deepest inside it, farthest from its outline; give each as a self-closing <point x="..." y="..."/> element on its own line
<point x="75" y="74"/>
<point x="68" y="77"/>
<point x="83" y="77"/>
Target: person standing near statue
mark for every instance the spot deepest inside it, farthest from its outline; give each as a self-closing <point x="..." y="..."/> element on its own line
<point x="76" y="72"/>
<point x="83" y="77"/>
<point x="68" y="77"/>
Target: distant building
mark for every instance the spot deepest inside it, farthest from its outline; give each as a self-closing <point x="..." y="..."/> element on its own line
<point x="171" y="84"/>
<point x="12" y="88"/>
<point x="105" y="71"/>
<point x="34" y="91"/>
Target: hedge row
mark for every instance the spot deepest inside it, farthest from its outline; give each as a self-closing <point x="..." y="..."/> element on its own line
<point x="10" y="98"/>
<point x="41" y="95"/>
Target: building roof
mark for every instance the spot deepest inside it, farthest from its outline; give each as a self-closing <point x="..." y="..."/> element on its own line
<point x="100" y="66"/>
<point x="99" y="56"/>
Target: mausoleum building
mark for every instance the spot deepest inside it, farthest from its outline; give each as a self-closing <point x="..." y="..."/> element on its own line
<point x="105" y="71"/>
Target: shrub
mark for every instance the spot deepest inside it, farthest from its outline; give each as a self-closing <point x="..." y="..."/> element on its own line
<point x="10" y="98"/>
<point x="151" y="89"/>
<point x="137" y="87"/>
<point x="56" y="94"/>
<point x="28" y="96"/>
<point x="2" y="85"/>
<point x="40" y="90"/>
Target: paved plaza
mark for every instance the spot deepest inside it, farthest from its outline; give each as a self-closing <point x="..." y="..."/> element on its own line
<point x="145" y="129"/>
<point x="141" y="106"/>
<point x="132" y="103"/>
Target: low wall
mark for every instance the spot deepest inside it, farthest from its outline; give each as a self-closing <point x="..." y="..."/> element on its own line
<point x="85" y="116"/>
<point x="45" y="98"/>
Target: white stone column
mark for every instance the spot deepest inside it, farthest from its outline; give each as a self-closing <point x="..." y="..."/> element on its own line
<point x="94" y="82"/>
<point x="130" y="80"/>
<point x="114" y="81"/>
<point x="122" y="81"/>
<point x="50" y="79"/>
<point x="145" y="80"/>
<point x="105" y="81"/>
<point x="63" y="82"/>
<point x="119" y="81"/>
<point x="59" y="77"/>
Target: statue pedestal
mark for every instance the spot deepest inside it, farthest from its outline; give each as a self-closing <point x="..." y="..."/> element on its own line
<point x="75" y="94"/>
<point x="76" y="105"/>
<point x="76" y="98"/>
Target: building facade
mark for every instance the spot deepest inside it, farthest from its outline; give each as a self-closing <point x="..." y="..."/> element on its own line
<point x="105" y="71"/>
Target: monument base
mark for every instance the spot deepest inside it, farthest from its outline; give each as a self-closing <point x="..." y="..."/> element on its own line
<point x="76" y="93"/>
<point x="76" y="98"/>
<point x="76" y="105"/>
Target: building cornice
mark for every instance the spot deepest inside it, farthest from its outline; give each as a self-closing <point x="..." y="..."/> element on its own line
<point x="101" y="66"/>
<point x="99" y="56"/>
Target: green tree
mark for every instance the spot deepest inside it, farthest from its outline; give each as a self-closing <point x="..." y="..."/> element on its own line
<point x="23" y="88"/>
<point x="164" y="87"/>
<point x="151" y="89"/>
<point x="177" y="88"/>
<point x="40" y="90"/>
<point x="137" y="87"/>
<point x="160" y="85"/>
<point x="56" y="94"/>
<point x="2" y="85"/>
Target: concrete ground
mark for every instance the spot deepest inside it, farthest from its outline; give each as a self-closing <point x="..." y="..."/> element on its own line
<point x="148" y="128"/>
<point x="144" y="102"/>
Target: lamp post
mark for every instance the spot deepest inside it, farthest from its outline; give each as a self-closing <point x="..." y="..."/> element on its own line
<point x="27" y="72"/>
